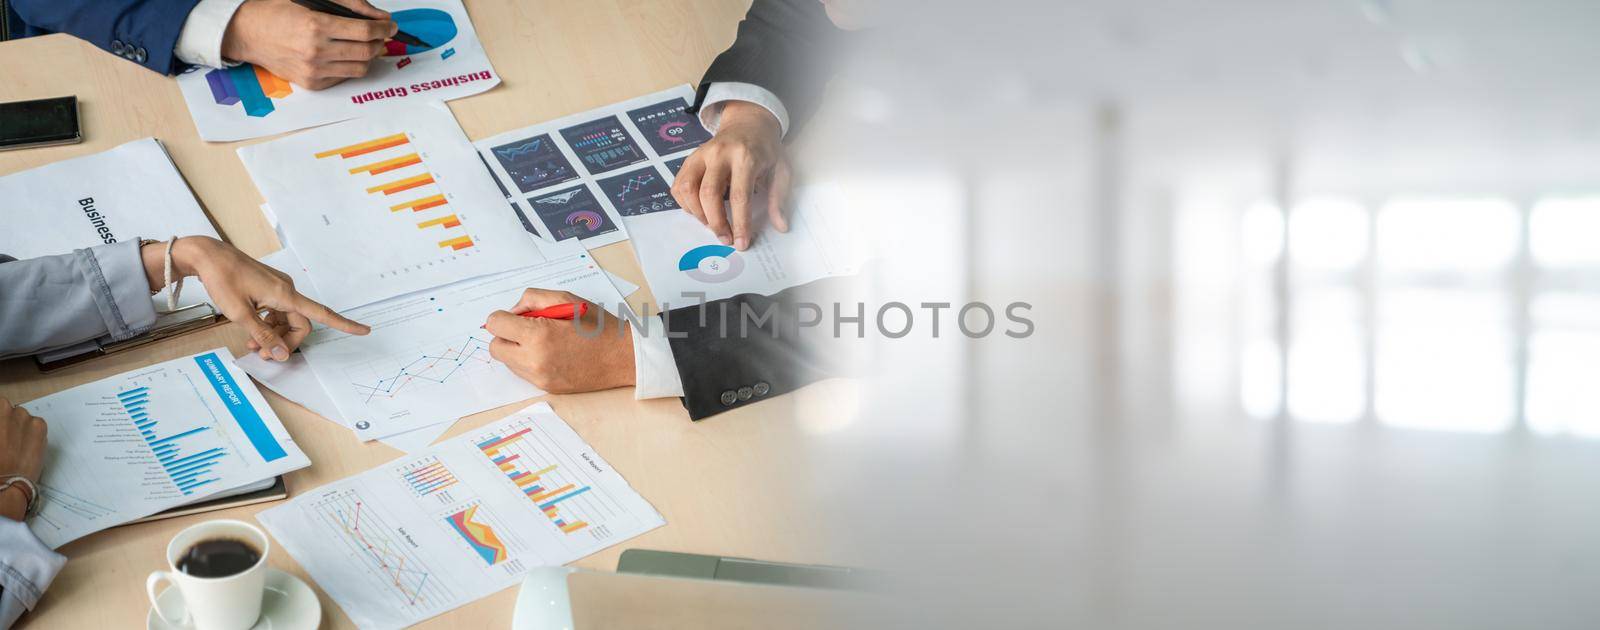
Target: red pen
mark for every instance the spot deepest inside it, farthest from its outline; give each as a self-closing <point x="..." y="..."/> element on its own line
<point x="568" y="311"/>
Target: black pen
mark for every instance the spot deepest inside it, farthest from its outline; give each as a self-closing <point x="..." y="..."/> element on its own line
<point x="332" y="8"/>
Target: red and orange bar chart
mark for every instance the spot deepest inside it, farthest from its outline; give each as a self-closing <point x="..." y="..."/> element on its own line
<point x="403" y="185"/>
<point x="379" y="168"/>
<point x="370" y="146"/>
<point x="446" y="221"/>
<point x="457" y="243"/>
<point x="418" y="205"/>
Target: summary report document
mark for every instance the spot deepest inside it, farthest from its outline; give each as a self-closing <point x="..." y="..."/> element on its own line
<point x="387" y="205"/>
<point x="246" y="101"/>
<point x="161" y="436"/>
<point x="434" y="530"/>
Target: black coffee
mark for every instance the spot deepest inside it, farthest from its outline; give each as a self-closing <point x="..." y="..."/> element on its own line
<point x="221" y="557"/>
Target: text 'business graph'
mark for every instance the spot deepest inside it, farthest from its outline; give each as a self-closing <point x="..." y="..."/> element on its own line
<point x="396" y="171"/>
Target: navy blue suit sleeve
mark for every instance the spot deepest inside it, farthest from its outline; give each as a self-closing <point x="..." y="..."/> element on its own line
<point x="142" y="31"/>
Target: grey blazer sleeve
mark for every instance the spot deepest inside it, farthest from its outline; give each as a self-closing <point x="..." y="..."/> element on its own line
<point x="57" y="301"/>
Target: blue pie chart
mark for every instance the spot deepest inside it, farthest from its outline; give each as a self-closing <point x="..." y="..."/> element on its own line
<point x="433" y="26"/>
<point x="711" y="263"/>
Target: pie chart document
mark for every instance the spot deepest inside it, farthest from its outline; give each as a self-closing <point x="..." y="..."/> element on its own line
<point x="682" y="260"/>
<point x="387" y="205"/>
<point x="247" y="101"/>
<point x="461" y="520"/>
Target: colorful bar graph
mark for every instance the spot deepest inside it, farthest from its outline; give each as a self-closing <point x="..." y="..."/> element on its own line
<point x="403" y="185"/>
<point x="378" y="168"/>
<point x="247" y="84"/>
<point x="418" y="205"/>
<point x="447" y="221"/>
<point x="430" y="478"/>
<point x="370" y="146"/>
<point x="458" y="243"/>
<point x="528" y="482"/>
<point x="186" y="471"/>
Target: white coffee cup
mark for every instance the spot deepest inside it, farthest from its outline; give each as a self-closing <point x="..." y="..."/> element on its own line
<point x="220" y="603"/>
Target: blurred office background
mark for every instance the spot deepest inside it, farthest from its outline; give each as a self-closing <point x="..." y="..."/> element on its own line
<point x="1316" y="286"/>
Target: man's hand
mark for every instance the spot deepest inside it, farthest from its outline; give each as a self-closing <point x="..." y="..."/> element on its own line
<point x="311" y="49"/>
<point x="22" y="445"/>
<point x="743" y="163"/>
<point x="553" y="355"/>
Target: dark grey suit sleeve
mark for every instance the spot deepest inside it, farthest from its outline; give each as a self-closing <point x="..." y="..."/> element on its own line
<point x="57" y="301"/>
<point x="749" y="348"/>
<point x="785" y="46"/>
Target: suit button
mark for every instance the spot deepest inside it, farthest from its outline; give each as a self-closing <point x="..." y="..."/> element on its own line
<point x="729" y="397"/>
<point x="762" y="388"/>
<point x="744" y="393"/>
<point x="139" y="55"/>
<point x="117" y="47"/>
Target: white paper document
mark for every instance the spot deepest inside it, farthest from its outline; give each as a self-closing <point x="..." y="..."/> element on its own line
<point x="134" y="444"/>
<point x="127" y="193"/>
<point x="249" y="102"/>
<point x="387" y="205"/>
<point x="294" y="380"/>
<point x="432" y="531"/>
<point x="427" y="356"/>
<point x="682" y="260"/>
<point x="579" y="175"/>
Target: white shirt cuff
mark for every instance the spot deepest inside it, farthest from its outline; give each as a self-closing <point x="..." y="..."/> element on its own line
<point x="27" y="567"/>
<point x="723" y="91"/>
<point x="200" y="41"/>
<point x="655" y="372"/>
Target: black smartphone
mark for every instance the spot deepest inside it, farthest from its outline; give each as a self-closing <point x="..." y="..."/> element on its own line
<point x="40" y="123"/>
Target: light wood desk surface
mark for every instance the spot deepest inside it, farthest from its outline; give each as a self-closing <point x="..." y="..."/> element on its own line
<point x="731" y="485"/>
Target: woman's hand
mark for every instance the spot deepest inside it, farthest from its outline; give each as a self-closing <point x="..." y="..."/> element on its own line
<point x="242" y="288"/>
<point x="22" y="442"/>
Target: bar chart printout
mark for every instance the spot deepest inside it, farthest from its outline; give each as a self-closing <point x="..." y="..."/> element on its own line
<point x="161" y="436"/>
<point x="387" y="205"/>
<point x="466" y="518"/>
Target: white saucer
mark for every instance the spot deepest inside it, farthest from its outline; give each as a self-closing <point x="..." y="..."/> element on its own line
<point x="287" y="605"/>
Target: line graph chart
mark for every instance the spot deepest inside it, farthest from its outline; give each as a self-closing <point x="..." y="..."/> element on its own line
<point x="436" y="365"/>
<point x="381" y="549"/>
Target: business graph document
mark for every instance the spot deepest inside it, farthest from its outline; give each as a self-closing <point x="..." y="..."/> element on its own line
<point x="134" y="444"/>
<point x="249" y="102"/>
<point x="294" y="380"/>
<point x="427" y="357"/>
<point x="387" y="205"/>
<point x="578" y="176"/>
<point x="682" y="260"/>
<point x="432" y="531"/>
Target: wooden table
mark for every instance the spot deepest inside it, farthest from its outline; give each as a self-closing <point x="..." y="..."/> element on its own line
<point x="728" y="485"/>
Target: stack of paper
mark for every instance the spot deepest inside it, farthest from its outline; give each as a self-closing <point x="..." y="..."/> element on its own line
<point x="393" y="221"/>
<point x="434" y="530"/>
<point x="134" y="444"/>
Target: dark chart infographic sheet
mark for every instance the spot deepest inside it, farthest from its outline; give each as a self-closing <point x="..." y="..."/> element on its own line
<point x="534" y="163"/>
<point x="639" y="192"/>
<point x="572" y="212"/>
<point x="676" y="165"/>
<point x="603" y="145"/>
<point x="669" y="128"/>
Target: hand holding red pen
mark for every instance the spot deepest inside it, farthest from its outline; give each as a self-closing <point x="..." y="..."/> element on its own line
<point x="538" y="341"/>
